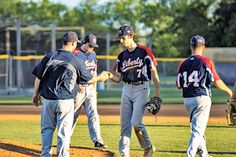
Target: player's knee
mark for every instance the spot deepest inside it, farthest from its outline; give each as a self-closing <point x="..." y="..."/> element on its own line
<point x="136" y="124"/>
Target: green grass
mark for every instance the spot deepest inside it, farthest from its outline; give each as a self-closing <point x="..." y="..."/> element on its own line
<point x="169" y="95"/>
<point x="170" y="140"/>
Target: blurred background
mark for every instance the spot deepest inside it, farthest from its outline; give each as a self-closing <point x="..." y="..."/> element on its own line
<point x="29" y="29"/>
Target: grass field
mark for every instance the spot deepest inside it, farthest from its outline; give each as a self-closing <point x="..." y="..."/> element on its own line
<point x="171" y="139"/>
<point x="169" y="95"/>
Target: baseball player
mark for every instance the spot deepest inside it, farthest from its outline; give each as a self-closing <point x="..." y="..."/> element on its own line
<point x="195" y="76"/>
<point x="57" y="76"/>
<point x="87" y="94"/>
<point x="135" y="65"/>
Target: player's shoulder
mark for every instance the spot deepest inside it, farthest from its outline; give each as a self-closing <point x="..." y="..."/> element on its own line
<point x="145" y="48"/>
<point x="206" y="60"/>
<point x="122" y="53"/>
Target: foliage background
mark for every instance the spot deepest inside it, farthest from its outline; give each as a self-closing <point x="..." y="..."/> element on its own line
<point x="168" y="24"/>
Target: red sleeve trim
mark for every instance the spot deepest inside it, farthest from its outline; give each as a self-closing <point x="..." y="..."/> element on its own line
<point x="76" y="50"/>
<point x="211" y="66"/>
<point x="150" y="53"/>
<point x="114" y="68"/>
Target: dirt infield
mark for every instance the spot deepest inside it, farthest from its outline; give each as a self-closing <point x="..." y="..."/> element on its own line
<point x="168" y="114"/>
<point x="166" y="110"/>
<point x="16" y="149"/>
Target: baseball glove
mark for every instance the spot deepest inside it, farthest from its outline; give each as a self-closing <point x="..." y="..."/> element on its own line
<point x="231" y="112"/>
<point x="154" y="105"/>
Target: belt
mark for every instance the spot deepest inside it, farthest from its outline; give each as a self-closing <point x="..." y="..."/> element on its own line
<point x="135" y="83"/>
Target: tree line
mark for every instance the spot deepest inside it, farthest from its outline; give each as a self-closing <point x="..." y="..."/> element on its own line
<point x="167" y="24"/>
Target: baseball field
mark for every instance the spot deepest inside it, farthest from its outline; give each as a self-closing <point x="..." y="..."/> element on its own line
<point x="169" y="132"/>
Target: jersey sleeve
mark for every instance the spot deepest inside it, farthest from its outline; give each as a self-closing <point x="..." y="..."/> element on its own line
<point x="118" y="65"/>
<point x="179" y="76"/>
<point x="213" y="70"/>
<point x="83" y="73"/>
<point x="39" y="69"/>
<point x="150" y="55"/>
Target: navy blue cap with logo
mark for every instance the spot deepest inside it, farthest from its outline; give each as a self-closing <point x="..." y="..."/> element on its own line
<point x="196" y="40"/>
<point x="91" y="39"/>
<point x="70" y="36"/>
<point x="124" y="30"/>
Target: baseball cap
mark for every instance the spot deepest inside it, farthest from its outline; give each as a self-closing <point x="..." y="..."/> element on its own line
<point x="124" y="30"/>
<point x="197" y="39"/>
<point x="70" y="36"/>
<point x="91" y="40"/>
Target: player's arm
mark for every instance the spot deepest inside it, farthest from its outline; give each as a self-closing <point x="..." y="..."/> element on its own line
<point x="221" y="85"/>
<point x="101" y="77"/>
<point x="36" y="91"/>
<point x="217" y="81"/>
<point x="116" y="78"/>
<point x="155" y="80"/>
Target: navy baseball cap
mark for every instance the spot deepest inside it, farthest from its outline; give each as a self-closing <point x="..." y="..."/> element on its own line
<point x="71" y="36"/>
<point x="124" y="30"/>
<point x="197" y="39"/>
<point x="91" y="39"/>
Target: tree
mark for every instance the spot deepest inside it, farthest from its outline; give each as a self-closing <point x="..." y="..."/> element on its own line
<point x="223" y="24"/>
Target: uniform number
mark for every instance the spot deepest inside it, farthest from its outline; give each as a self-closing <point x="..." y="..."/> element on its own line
<point x="192" y="78"/>
<point x="139" y="72"/>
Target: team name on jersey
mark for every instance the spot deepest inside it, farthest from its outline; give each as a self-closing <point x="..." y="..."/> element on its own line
<point x="129" y="64"/>
<point x="90" y="64"/>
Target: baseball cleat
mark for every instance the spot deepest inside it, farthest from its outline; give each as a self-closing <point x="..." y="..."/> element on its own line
<point x="100" y="145"/>
<point x="149" y="151"/>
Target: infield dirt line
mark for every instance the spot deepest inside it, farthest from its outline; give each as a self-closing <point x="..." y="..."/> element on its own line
<point x="111" y="109"/>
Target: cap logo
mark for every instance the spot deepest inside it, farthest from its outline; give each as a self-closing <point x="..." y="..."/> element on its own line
<point x="120" y="32"/>
<point x="94" y="40"/>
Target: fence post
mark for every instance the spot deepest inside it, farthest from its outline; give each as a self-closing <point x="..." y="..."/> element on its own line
<point x="53" y="37"/>
<point x="108" y="40"/>
<point x="18" y="53"/>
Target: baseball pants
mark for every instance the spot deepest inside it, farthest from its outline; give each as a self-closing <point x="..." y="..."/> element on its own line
<point x="88" y="100"/>
<point x="56" y="113"/>
<point x="134" y="98"/>
<point x="198" y="109"/>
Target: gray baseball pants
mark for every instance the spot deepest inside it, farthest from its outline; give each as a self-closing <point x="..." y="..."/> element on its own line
<point x="134" y="98"/>
<point x="60" y="114"/>
<point x="88" y="100"/>
<point x="198" y="109"/>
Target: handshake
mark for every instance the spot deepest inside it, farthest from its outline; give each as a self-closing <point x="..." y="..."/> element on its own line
<point x="105" y="75"/>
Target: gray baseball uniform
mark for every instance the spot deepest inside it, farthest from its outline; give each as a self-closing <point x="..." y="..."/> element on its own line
<point x="88" y="99"/>
<point x="135" y="70"/>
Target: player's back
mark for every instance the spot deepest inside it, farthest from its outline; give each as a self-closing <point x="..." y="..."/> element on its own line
<point x="195" y="76"/>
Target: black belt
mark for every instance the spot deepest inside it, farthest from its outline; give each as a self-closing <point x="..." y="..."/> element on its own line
<point x="135" y="83"/>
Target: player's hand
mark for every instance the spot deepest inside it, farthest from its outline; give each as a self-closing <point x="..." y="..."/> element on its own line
<point x="36" y="100"/>
<point x="110" y="75"/>
<point x="103" y="76"/>
<point x="81" y="89"/>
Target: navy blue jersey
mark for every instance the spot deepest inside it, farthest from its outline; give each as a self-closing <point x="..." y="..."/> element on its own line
<point x="90" y="62"/>
<point x="60" y="72"/>
<point x="195" y="76"/>
<point x="135" y="66"/>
